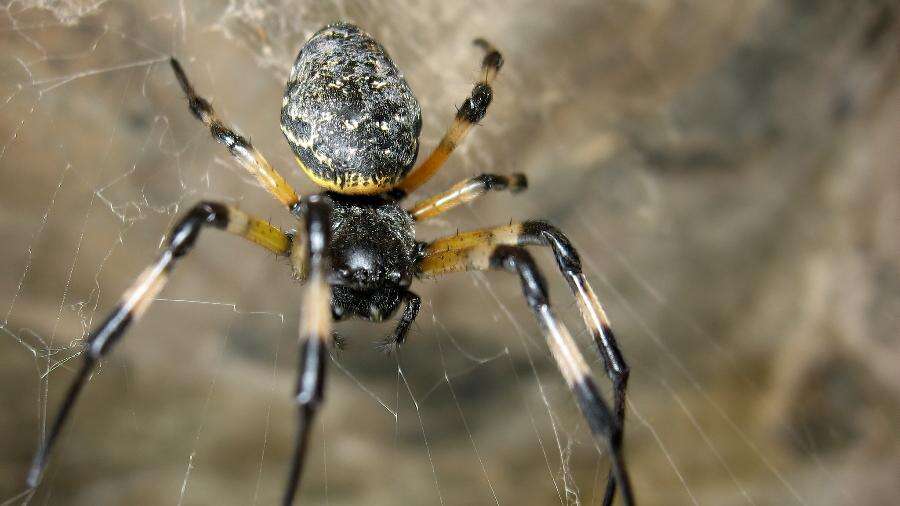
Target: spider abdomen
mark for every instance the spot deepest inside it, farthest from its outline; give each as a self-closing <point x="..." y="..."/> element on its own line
<point x="348" y="113"/>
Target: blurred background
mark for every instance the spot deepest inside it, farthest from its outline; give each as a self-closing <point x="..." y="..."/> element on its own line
<point x="728" y="170"/>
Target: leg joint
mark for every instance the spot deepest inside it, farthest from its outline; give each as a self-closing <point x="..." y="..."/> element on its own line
<point x="185" y="232"/>
<point x="492" y="182"/>
<point x="597" y="413"/>
<point x="311" y="379"/>
<point x="516" y="260"/>
<point x="518" y="182"/>
<point x="493" y="59"/>
<point x="199" y="106"/>
<point x="541" y="233"/>
<point x="317" y="210"/>
<point x="232" y="140"/>
<point x="475" y="107"/>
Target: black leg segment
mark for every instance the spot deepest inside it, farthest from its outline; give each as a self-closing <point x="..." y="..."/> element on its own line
<point x="574" y="369"/>
<point x="315" y="333"/>
<point x="129" y="309"/>
<point x="395" y="340"/>
<point x="541" y="233"/>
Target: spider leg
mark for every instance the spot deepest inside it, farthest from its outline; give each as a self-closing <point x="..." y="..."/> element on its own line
<point x="141" y="293"/>
<point x="515" y="259"/>
<point x="393" y="342"/>
<point x="541" y="233"/>
<point x="466" y="191"/>
<point x="239" y="147"/>
<point x="471" y="112"/>
<point x="315" y="332"/>
<point x="441" y="256"/>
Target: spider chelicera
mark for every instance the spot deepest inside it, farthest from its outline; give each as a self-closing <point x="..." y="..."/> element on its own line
<point x="353" y="124"/>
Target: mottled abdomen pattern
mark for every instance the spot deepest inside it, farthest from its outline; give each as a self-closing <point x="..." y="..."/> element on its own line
<point x="349" y="114"/>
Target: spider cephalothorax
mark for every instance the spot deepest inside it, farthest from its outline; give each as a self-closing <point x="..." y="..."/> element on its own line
<point x="353" y="123"/>
<point x="373" y="256"/>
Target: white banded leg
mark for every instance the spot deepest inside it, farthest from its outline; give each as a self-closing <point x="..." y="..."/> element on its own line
<point x="315" y="332"/>
<point x="239" y="146"/>
<point x="138" y="297"/>
<point x="541" y="233"/>
<point x="484" y="254"/>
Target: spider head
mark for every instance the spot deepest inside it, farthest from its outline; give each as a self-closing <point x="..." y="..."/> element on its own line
<point x="348" y="114"/>
<point x="364" y="266"/>
<point x="368" y="276"/>
<point x="372" y="244"/>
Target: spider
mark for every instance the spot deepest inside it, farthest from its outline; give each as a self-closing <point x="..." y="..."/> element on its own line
<point x="353" y="123"/>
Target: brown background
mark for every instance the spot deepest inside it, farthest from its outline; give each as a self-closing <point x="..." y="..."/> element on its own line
<point x="728" y="169"/>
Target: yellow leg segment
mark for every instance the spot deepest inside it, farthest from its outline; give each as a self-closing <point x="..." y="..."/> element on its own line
<point x="258" y="231"/>
<point x="472" y="111"/>
<point x="466" y="191"/>
<point x="241" y="149"/>
<point x="467" y="250"/>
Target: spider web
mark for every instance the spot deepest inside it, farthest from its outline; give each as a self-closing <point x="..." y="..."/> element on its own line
<point x="727" y="170"/>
